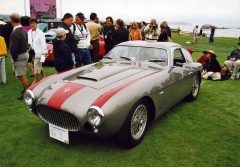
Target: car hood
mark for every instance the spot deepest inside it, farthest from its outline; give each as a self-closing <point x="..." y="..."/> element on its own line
<point x="90" y="83"/>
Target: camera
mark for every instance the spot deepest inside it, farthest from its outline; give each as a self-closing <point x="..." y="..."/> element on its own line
<point x="154" y="26"/>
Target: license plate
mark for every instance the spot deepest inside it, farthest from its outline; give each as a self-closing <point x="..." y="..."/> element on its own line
<point x="59" y="133"/>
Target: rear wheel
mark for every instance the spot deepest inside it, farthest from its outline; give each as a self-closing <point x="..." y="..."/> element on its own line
<point x="195" y="89"/>
<point x="135" y="125"/>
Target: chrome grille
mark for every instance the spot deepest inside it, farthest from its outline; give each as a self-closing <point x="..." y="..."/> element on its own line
<point x="58" y="117"/>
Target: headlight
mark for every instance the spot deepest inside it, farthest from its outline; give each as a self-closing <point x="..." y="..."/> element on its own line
<point x="29" y="98"/>
<point x="95" y="116"/>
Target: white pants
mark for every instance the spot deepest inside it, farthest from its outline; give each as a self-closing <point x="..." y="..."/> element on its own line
<point x="2" y="69"/>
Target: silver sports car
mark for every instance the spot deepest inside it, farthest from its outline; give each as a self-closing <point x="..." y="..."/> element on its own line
<point x="134" y="84"/>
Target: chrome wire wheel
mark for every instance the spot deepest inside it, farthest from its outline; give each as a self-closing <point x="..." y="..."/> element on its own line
<point x="195" y="87"/>
<point x="139" y="122"/>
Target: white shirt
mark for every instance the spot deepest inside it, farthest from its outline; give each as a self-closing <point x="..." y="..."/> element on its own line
<point x="36" y="39"/>
<point x="82" y="34"/>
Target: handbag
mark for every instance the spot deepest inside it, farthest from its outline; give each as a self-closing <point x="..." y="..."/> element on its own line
<point x="169" y="39"/>
<point x="31" y="52"/>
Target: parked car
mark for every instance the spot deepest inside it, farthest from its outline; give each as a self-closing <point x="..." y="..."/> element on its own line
<point x="50" y="34"/>
<point x="50" y="57"/>
<point x="134" y="84"/>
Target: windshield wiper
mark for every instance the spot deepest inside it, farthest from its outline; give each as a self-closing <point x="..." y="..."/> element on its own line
<point x="127" y="58"/>
<point x="106" y="57"/>
<point x="156" y="60"/>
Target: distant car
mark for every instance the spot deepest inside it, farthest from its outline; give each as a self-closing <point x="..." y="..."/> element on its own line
<point x="135" y="83"/>
<point x="50" y="35"/>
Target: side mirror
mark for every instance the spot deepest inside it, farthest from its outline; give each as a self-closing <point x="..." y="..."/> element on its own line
<point x="179" y="64"/>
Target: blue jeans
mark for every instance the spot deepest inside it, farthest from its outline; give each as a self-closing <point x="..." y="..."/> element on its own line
<point x="82" y="57"/>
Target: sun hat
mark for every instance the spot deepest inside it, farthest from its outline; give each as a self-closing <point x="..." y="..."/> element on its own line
<point x="209" y="51"/>
<point x="61" y="31"/>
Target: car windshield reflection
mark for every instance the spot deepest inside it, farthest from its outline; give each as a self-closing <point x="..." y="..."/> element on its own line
<point x="139" y="54"/>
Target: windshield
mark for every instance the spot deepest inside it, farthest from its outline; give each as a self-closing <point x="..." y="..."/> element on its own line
<point x="137" y="54"/>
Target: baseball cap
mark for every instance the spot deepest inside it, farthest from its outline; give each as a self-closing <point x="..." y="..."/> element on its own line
<point x="238" y="43"/>
<point x="190" y="50"/>
<point x="61" y="31"/>
<point x="67" y="15"/>
<point x="81" y="15"/>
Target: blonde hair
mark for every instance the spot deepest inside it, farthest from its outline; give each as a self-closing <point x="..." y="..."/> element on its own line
<point x="134" y="23"/>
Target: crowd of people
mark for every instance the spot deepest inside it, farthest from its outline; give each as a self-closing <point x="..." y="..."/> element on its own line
<point x="77" y="43"/>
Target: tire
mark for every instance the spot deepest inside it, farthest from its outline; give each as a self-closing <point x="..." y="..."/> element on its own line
<point x="195" y="89"/>
<point x="135" y="125"/>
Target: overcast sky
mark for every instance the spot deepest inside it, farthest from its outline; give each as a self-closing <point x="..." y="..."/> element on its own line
<point x="216" y="12"/>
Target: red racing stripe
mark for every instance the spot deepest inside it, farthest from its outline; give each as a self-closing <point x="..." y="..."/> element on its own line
<point x="105" y="97"/>
<point x="36" y="84"/>
<point x="62" y="94"/>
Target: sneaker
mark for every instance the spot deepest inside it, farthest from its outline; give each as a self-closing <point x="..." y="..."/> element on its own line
<point x="20" y="98"/>
<point x="237" y="76"/>
<point x="232" y="77"/>
<point x="4" y="83"/>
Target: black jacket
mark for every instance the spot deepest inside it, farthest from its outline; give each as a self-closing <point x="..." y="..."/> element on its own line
<point x="120" y="35"/>
<point x="70" y="41"/>
<point x="107" y="32"/>
<point x="212" y="66"/>
<point x="62" y="55"/>
<point x="234" y="54"/>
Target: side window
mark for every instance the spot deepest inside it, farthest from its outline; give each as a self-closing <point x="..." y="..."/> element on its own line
<point x="178" y="57"/>
<point x="187" y="55"/>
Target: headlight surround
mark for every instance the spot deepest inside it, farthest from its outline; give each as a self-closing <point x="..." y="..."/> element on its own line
<point x="95" y="116"/>
<point x="29" y="98"/>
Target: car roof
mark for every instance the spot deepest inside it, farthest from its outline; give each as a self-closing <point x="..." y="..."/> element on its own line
<point x="166" y="45"/>
<point x="41" y="26"/>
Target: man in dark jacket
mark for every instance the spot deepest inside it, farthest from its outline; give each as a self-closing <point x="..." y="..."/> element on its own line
<point x="107" y="32"/>
<point x="62" y="52"/>
<point x="18" y="47"/>
<point x="233" y="63"/>
<point x="67" y="22"/>
<point x="120" y="34"/>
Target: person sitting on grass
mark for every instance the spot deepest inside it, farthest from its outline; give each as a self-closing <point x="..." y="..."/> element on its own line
<point x="202" y="59"/>
<point x="62" y="52"/>
<point x="212" y="68"/>
<point x="233" y="63"/>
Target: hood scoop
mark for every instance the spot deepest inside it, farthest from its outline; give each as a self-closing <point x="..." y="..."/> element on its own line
<point x="99" y="72"/>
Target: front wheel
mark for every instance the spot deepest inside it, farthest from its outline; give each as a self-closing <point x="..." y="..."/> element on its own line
<point x="195" y="89"/>
<point x="135" y="125"/>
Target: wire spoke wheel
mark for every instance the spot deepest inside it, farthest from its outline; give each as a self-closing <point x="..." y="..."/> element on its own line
<point x="195" y="87"/>
<point x="139" y="122"/>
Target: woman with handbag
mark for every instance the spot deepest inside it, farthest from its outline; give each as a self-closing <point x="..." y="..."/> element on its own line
<point x="37" y="42"/>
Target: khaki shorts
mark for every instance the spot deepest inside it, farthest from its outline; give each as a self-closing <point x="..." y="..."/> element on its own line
<point x="37" y="66"/>
<point x="20" y="65"/>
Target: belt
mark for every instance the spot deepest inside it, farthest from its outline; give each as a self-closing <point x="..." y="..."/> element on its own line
<point x="95" y="40"/>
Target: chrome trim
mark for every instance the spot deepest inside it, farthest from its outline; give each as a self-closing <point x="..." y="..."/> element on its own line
<point x="57" y="117"/>
<point x="99" y="110"/>
<point x="32" y="96"/>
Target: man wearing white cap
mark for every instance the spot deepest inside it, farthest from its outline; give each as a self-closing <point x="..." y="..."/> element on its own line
<point x="62" y="52"/>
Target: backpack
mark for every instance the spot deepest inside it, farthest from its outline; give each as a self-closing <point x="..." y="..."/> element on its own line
<point x="74" y="27"/>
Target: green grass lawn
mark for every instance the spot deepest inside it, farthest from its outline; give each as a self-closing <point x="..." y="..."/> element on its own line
<point x="202" y="133"/>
